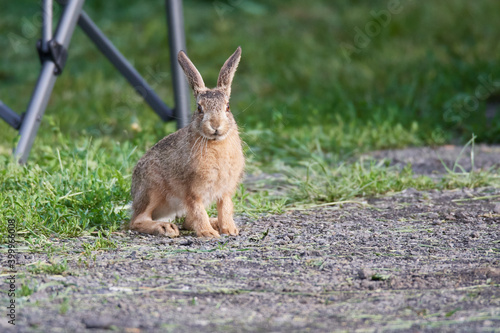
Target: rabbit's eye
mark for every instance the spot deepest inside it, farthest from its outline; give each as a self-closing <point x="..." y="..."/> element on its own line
<point x="200" y="109"/>
<point x="227" y="108"/>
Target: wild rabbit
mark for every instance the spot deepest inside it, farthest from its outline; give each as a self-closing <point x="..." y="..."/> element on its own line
<point x="190" y="169"/>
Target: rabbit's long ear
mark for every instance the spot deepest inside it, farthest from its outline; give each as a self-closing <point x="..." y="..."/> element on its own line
<point x="193" y="76"/>
<point x="227" y="71"/>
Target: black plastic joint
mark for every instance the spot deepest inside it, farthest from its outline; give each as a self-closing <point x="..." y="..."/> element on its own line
<point x="56" y="53"/>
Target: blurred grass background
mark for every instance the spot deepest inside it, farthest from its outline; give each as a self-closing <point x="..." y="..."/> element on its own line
<point x="308" y="85"/>
<point x="296" y="78"/>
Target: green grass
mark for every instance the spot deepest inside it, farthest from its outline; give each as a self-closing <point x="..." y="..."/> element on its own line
<point x="307" y="98"/>
<point x="53" y="268"/>
<point x="319" y="182"/>
<point x="102" y="242"/>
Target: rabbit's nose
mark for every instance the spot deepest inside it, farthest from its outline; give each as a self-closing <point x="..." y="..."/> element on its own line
<point x="216" y="127"/>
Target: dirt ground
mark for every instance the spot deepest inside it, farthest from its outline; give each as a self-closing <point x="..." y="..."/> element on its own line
<point x="415" y="261"/>
<point x="429" y="161"/>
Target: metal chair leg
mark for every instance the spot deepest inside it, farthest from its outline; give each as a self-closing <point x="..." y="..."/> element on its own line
<point x="53" y="53"/>
<point x="45" y="83"/>
<point x="9" y="116"/>
<point x="177" y="42"/>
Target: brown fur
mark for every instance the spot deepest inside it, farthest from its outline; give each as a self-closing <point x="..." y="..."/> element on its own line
<point x="197" y="165"/>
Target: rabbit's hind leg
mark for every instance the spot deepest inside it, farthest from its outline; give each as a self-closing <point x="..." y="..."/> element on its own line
<point x="142" y="221"/>
<point x="214" y="222"/>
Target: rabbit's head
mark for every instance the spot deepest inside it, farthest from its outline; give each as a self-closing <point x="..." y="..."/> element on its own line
<point x="212" y="118"/>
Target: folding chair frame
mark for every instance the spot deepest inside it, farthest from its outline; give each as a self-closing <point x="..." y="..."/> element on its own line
<point x="53" y="54"/>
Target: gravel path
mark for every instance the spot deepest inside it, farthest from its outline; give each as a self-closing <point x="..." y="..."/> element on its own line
<point x="416" y="261"/>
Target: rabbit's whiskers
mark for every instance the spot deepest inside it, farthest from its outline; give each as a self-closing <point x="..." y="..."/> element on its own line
<point x="193" y="147"/>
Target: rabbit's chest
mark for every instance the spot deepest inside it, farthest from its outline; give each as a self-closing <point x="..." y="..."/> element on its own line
<point x="220" y="172"/>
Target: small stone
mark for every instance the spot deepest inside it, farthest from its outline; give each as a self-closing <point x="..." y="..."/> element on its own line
<point x="450" y="217"/>
<point x="186" y="242"/>
<point x="364" y="273"/>
<point x="34" y="321"/>
<point x="99" y="322"/>
<point x="410" y="191"/>
<point x="57" y="278"/>
<point x="497" y="208"/>
<point x="433" y="215"/>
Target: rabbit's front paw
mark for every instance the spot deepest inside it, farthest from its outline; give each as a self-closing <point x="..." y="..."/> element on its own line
<point x="229" y="230"/>
<point x="166" y="229"/>
<point x="228" y="227"/>
<point x="211" y="233"/>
